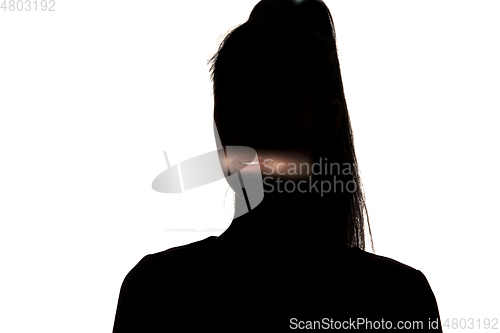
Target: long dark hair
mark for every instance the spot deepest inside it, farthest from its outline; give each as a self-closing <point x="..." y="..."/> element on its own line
<point x="284" y="49"/>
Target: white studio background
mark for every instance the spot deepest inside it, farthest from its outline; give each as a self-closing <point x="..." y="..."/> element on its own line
<point x="94" y="92"/>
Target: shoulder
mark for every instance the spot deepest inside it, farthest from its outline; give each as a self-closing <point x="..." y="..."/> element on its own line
<point x="393" y="283"/>
<point x="156" y="275"/>
<point x="176" y="257"/>
<point x="158" y="284"/>
<point x="377" y="265"/>
<point x="386" y="266"/>
<point x="191" y="250"/>
<point x="384" y="276"/>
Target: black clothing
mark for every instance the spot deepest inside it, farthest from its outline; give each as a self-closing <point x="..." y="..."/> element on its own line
<point x="208" y="286"/>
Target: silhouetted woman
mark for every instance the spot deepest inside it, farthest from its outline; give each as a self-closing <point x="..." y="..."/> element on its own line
<point x="297" y="260"/>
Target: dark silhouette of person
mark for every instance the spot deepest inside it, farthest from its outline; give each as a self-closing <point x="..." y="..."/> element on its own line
<point x="298" y="259"/>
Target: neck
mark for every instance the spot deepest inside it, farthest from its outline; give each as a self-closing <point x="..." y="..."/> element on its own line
<point x="286" y="220"/>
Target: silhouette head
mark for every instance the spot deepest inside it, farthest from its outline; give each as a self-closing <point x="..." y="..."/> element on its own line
<point x="278" y="89"/>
